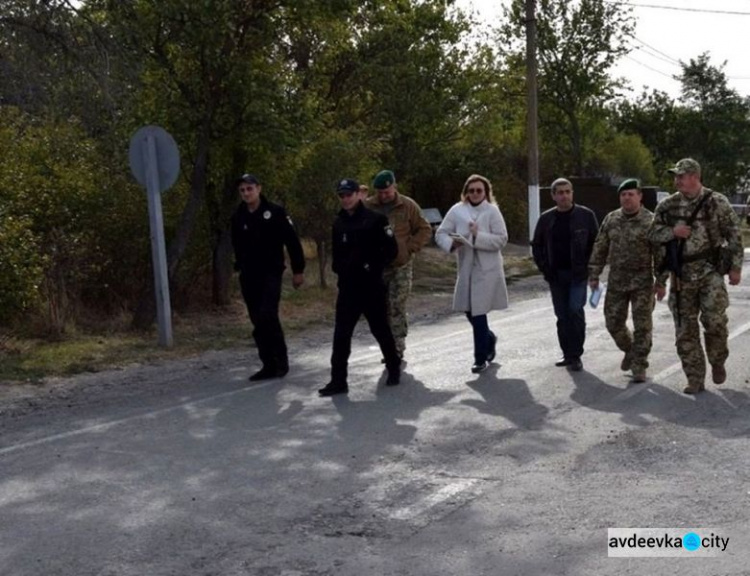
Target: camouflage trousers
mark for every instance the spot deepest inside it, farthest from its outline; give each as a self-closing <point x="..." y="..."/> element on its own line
<point x="706" y="298"/>
<point x="398" y="282"/>
<point x="637" y="343"/>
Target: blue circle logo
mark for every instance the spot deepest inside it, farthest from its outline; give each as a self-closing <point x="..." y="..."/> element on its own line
<point x="691" y="541"/>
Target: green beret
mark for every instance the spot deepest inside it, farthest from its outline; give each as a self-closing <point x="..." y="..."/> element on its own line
<point x="629" y="184"/>
<point x="383" y="179"/>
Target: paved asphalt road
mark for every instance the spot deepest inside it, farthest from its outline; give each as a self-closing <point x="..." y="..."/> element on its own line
<point x="185" y="469"/>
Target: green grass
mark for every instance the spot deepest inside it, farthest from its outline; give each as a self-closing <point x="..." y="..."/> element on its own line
<point x="29" y="360"/>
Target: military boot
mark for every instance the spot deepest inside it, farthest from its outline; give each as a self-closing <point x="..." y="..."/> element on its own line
<point x="694" y="388"/>
<point x="627" y="362"/>
<point x="718" y="373"/>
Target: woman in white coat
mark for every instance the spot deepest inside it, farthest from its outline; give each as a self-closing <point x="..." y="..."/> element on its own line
<point x="475" y="230"/>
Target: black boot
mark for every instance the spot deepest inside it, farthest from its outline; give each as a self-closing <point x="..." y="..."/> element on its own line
<point x="394" y="376"/>
<point x="265" y="373"/>
<point x="333" y="388"/>
<point x="493" y="347"/>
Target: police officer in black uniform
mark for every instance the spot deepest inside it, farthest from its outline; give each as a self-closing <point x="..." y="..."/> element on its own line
<point x="363" y="244"/>
<point x="260" y="230"/>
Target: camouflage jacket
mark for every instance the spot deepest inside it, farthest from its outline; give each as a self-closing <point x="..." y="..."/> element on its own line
<point x="623" y="243"/>
<point x="715" y="224"/>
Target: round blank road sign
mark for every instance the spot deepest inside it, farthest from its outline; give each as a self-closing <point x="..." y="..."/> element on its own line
<point x="167" y="156"/>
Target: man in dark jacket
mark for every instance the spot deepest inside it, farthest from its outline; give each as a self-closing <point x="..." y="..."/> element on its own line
<point x="260" y="230"/>
<point x="363" y="245"/>
<point x="563" y="240"/>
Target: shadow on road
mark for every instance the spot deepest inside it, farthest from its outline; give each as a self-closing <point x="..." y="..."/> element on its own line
<point x="713" y="410"/>
<point x="509" y="398"/>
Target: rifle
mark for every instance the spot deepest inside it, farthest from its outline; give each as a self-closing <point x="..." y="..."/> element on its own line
<point x="674" y="260"/>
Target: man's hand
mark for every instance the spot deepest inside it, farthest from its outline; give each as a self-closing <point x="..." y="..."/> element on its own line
<point x="734" y="277"/>
<point x="660" y="291"/>
<point x="681" y="231"/>
<point x="298" y="280"/>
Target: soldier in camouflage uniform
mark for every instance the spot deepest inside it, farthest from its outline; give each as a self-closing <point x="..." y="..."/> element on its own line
<point x="702" y="292"/>
<point x="623" y="243"/>
<point x="412" y="232"/>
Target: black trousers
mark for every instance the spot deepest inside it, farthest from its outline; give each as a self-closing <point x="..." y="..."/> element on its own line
<point x="353" y="302"/>
<point x="262" y="294"/>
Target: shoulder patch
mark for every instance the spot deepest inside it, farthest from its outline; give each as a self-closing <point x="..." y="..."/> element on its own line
<point x="388" y="230"/>
<point x="267" y="215"/>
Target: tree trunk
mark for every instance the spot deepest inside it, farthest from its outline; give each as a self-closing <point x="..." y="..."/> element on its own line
<point x="320" y="245"/>
<point x="222" y="270"/>
<point x="220" y="210"/>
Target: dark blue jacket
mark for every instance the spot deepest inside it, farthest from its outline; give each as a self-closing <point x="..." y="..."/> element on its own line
<point x="363" y="245"/>
<point x="259" y="238"/>
<point x="583" y="230"/>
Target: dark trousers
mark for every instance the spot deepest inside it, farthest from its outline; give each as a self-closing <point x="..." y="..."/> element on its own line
<point x="262" y="295"/>
<point x="568" y="299"/>
<point x="353" y="302"/>
<point x="483" y="337"/>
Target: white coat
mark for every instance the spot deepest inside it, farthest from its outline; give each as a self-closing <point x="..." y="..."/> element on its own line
<point x="480" y="285"/>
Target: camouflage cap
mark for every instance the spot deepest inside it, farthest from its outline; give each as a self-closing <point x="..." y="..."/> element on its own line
<point x="685" y="166"/>
<point x="629" y="184"/>
<point x="383" y="179"/>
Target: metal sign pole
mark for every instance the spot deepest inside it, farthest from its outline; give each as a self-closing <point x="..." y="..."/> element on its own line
<point x="158" y="244"/>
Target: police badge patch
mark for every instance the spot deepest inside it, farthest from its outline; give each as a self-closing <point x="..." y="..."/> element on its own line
<point x="267" y="214"/>
<point x="389" y="230"/>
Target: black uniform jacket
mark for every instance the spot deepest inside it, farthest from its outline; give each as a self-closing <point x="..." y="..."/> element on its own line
<point x="363" y="245"/>
<point x="583" y="230"/>
<point x="259" y="238"/>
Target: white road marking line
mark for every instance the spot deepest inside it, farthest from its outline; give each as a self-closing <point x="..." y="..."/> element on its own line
<point x="104" y="426"/>
<point x="429" y="502"/>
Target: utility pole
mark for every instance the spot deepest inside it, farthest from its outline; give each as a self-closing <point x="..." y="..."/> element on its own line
<point x="531" y="116"/>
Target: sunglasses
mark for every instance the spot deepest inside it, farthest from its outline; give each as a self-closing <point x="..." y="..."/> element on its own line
<point x="474" y="190"/>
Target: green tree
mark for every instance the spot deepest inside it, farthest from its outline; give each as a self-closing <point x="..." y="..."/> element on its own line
<point x="578" y="44"/>
<point x="718" y="133"/>
<point x="50" y="192"/>
<point x="709" y="122"/>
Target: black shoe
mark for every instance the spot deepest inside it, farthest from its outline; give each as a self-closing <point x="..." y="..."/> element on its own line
<point x="282" y="371"/>
<point x="480" y="367"/>
<point x="333" y="388"/>
<point x="264" y="373"/>
<point x="493" y="346"/>
<point x="564" y="362"/>
<point x="394" y="377"/>
<point x="576" y="365"/>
